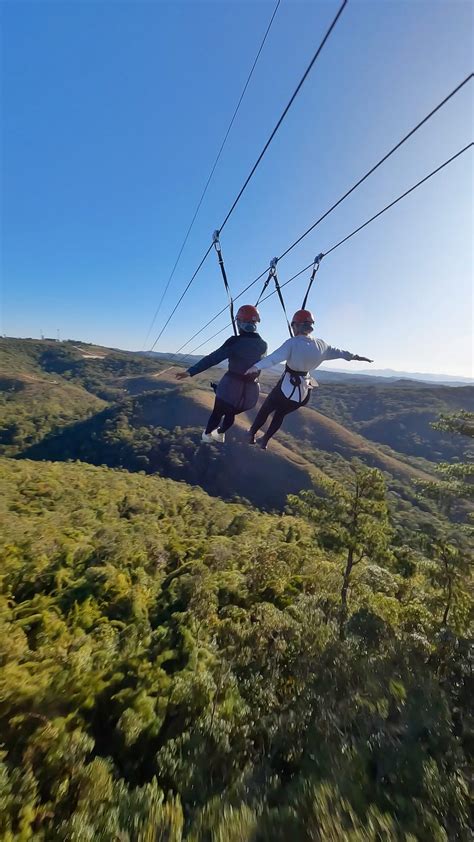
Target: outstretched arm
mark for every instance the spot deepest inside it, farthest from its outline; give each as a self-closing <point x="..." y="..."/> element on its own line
<point x="276" y="357"/>
<point x="208" y="361"/>
<point x="336" y="354"/>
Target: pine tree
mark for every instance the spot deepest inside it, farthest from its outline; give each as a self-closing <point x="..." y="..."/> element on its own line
<point x="352" y="521"/>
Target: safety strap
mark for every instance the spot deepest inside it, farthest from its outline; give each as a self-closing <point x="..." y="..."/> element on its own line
<point x="217" y="246"/>
<point x="317" y="261"/>
<point x="273" y="274"/>
<point x="273" y="264"/>
<point x="269" y="277"/>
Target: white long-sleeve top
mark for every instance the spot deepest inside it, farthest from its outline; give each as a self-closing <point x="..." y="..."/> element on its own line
<point x="303" y="353"/>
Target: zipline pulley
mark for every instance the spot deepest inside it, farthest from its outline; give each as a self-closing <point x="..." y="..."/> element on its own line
<point x="217" y="246"/>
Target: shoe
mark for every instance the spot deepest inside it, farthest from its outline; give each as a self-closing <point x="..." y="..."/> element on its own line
<point x="207" y="438"/>
<point x="250" y="438"/>
<point x="262" y="443"/>
<point x="217" y="436"/>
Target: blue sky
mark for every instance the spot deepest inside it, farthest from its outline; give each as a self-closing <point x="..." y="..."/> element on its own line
<point x="112" y="116"/>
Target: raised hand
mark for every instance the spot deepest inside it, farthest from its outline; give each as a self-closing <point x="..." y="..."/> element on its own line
<point x="361" y="359"/>
<point x="181" y="375"/>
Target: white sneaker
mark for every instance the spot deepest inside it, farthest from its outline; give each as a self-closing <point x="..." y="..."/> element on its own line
<point x="207" y="438"/>
<point x="220" y="437"/>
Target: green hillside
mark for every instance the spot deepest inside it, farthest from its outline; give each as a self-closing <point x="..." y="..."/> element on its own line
<point x="46" y="385"/>
<point x="399" y="415"/>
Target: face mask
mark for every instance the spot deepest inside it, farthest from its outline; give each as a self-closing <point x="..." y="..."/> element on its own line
<point x="247" y="327"/>
<point x="303" y="329"/>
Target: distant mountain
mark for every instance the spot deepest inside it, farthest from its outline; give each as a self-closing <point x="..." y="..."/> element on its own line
<point x="334" y="375"/>
<point x="415" y="375"/>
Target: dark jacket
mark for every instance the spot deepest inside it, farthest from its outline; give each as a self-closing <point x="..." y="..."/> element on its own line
<point x="243" y="352"/>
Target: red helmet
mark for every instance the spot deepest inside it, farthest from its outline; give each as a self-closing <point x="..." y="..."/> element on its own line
<point x="248" y="313"/>
<point x="302" y="317"/>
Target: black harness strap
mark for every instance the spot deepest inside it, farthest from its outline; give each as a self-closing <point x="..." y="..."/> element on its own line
<point x="273" y="274"/>
<point x="317" y="261"/>
<point x="269" y="277"/>
<point x="296" y="380"/>
<point x="217" y="246"/>
<point x="279" y="292"/>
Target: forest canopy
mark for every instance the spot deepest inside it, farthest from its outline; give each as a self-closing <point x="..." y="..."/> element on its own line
<point x="175" y="667"/>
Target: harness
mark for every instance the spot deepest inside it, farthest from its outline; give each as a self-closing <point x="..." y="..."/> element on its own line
<point x="245" y="378"/>
<point x="302" y="385"/>
<point x="297" y="378"/>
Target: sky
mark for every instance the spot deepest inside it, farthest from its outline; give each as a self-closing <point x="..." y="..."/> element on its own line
<point x="112" y="115"/>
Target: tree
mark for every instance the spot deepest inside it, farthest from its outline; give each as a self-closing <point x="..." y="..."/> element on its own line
<point x="456" y="484"/>
<point x="352" y="521"/>
<point x="453" y="563"/>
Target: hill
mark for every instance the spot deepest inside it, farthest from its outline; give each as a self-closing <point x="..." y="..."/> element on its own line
<point x="395" y="415"/>
<point x="45" y="385"/>
<point x="145" y="433"/>
<point x="69" y="401"/>
<point x="400" y="417"/>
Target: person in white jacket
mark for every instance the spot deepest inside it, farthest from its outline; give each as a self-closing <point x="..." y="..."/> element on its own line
<point x="302" y="353"/>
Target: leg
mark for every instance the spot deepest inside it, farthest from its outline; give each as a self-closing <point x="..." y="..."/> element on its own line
<point x="274" y="426"/>
<point x="215" y="416"/>
<point x="285" y="407"/>
<point x="229" y="418"/>
<point x="266" y="408"/>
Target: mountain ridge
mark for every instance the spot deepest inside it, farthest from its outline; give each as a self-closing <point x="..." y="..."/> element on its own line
<point x="336" y="374"/>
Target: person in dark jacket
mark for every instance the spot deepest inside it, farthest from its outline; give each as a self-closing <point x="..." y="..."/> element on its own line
<point x="236" y="392"/>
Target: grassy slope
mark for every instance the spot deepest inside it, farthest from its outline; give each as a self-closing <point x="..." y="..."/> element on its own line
<point x="35" y="402"/>
<point x="52" y="392"/>
<point x="189" y="407"/>
<point x="134" y="434"/>
<point x="396" y="416"/>
<point x="46" y="386"/>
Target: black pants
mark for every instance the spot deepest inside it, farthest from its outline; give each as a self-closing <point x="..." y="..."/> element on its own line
<point x="275" y="402"/>
<point x="221" y="408"/>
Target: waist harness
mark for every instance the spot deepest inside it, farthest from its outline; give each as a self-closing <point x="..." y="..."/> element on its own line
<point x="297" y="380"/>
<point x="244" y="378"/>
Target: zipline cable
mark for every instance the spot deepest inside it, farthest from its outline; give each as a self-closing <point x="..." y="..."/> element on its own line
<point x="406" y="193"/>
<point x="285" y="112"/>
<point x="339" y="243"/>
<point x="258" y="161"/>
<point x="339" y="201"/>
<point x="382" y="161"/>
<point x="213" y="168"/>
